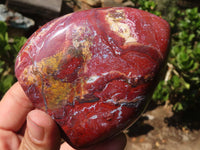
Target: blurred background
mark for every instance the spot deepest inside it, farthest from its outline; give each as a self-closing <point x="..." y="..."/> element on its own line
<point x="172" y="120"/>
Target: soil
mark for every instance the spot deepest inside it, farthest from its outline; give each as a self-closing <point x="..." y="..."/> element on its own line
<point x="159" y="128"/>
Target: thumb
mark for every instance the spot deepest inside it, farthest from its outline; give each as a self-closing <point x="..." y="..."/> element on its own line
<point x="41" y="133"/>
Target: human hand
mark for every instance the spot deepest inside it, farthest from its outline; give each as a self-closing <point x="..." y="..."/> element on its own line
<point x="23" y="127"/>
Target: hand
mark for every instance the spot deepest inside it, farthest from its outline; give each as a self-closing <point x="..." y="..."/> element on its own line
<point x="23" y="127"/>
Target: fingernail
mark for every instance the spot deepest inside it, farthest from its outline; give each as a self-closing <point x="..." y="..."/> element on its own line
<point x="34" y="130"/>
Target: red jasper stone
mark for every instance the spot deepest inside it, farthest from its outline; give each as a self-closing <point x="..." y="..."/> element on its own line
<point x="94" y="71"/>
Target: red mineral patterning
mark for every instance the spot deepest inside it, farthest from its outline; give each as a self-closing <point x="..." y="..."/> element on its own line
<point x="93" y="71"/>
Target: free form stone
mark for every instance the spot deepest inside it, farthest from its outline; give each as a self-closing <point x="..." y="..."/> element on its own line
<point x="93" y="71"/>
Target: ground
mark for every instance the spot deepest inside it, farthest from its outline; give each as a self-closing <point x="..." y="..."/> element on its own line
<point x="160" y="129"/>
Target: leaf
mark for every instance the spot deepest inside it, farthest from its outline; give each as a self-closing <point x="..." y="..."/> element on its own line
<point x="191" y="37"/>
<point x="1" y="66"/>
<point x="162" y="92"/>
<point x="178" y="107"/>
<point x="6" y="82"/>
<point x="197" y="51"/>
<point x="18" y="43"/>
<point x="176" y="81"/>
<point x="3" y="28"/>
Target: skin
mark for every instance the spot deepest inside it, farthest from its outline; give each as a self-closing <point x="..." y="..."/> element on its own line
<point x="24" y="127"/>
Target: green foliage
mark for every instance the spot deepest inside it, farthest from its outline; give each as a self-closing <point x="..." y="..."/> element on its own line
<point x="164" y="89"/>
<point x="184" y="82"/>
<point x="9" y="48"/>
<point x="147" y="5"/>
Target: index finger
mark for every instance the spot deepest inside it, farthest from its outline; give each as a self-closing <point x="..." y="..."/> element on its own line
<point x="14" y="108"/>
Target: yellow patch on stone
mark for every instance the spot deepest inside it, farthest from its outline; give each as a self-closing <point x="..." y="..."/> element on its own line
<point x="55" y="91"/>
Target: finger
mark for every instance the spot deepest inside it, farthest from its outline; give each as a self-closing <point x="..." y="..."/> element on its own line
<point x="14" y="108"/>
<point x="66" y="146"/>
<point x="8" y="140"/>
<point x="42" y="132"/>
